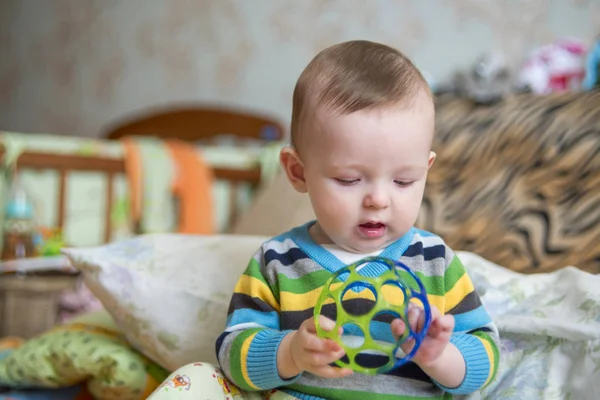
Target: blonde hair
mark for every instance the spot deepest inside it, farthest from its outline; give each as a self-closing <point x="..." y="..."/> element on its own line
<point x="352" y="76"/>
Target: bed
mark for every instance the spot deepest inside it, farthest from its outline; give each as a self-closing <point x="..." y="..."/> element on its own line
<point x="537" y="275"/>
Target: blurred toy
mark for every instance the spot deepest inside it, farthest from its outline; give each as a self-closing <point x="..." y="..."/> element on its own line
<point x="487" y="81"/>
<point x="50" y="242"/>
<point x="592" y="72"/>
<point x="557" y="67"/>
<point x="19" y="227"/>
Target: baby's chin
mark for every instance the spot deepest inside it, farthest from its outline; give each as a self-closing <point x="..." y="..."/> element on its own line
<point x="362" y="248"/>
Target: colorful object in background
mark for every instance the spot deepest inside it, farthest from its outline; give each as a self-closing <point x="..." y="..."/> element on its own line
<point x="557" y="67"/>
<point x="592" y="72"/>
<point x="487" y="81"/>
<point x="19" y="227"/>
<point x="49" y="242"/>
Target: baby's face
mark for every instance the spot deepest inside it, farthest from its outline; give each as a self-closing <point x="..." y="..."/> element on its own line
<point x="365" y="174"/>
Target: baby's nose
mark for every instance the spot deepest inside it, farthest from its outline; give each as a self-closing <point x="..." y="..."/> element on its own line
<point x="377" y="199"/>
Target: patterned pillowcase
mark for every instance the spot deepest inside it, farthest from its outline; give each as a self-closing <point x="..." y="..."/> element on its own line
<point x="168" y="293"/>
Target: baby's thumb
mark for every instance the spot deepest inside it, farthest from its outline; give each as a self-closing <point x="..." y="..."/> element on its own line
<point x="326" y="324"/>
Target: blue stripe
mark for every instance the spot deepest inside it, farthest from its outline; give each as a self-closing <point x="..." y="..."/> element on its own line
<point x="220" y="341"/>
<point x="470" y="320"/>
<point x="262" y="360"/>
<point x="429" y="253"/>
<point x="476" y="360"/>
<point x="244" y="315"/>
<point x="288" y="258"/>
<point x="414" y="249"/>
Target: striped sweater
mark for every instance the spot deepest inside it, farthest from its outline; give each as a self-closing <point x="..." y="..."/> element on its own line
<point x="278" y="291"/>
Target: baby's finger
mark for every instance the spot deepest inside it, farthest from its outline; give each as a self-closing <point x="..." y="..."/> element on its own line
<point x="398" y="328"/>
<point x="415" y="316"/>
<point x="312" y="342"/>
<point x="325" y="323"/>
<point x="446" y="323"/>
<point x="435" y="328"/>
<point x="318" y="359"/>
<point x="441" y="324"/>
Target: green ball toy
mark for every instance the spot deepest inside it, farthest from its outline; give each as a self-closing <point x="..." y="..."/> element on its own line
<point x="347" y="286"/>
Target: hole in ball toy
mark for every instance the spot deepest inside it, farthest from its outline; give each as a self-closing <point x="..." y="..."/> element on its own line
<point x="328" y="309"/>
<point x="372" y="269"/>
<point x="394" y="294"/>
<point x="371" y="358"/>
<point x="342" y="277"/>
<point x="409" y="281"/>
<point x="353" y="335"/>
<point x="380" y="327"/>
<point x="358" y="298"/>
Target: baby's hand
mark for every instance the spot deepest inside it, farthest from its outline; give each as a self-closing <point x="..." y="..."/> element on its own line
<point x="436" y="340"/>
<point x="308" y="352"/>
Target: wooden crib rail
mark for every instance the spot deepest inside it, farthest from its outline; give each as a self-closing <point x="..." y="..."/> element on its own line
<point x="65" y="163"/>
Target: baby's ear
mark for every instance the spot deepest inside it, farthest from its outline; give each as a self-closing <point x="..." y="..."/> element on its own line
<point x="294" y="168"/>
<point x="432" y="156"/>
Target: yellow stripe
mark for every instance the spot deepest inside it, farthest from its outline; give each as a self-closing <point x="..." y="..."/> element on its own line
<point x="256" y="288"/>
<point x="434" y="300"/>
<point x="244" y="359"/>
<point x="461" y="288"/>
<point x="490" y="353"/>
<point x="303" y="301"/>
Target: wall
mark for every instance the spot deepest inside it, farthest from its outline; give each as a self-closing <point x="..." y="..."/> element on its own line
<point x="71" y="66"/>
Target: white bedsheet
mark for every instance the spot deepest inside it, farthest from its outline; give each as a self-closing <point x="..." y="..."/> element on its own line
<point x="550" y="331"/>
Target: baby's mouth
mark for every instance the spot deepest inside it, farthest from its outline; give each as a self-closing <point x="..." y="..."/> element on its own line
<point x="372" y="229"/>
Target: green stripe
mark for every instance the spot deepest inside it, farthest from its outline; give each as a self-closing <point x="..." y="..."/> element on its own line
<point x="454" y="272"/>
<point x="485" y="336"/>
<point x="254" y="270"/>
<point x="236" y="358"/>
<point x="334" y="394"/>
<point x="305" y="283"/>
<point x="434" y="285"/>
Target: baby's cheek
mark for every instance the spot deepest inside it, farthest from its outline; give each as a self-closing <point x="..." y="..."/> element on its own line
<point x="335" y="214"/>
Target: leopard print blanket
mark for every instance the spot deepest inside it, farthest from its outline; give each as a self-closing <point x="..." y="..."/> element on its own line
<point x="518" y="182"/>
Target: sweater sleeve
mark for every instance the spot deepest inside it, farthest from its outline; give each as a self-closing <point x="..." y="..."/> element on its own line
<point x="247" y="349"/>
<point x="475" y="334"/>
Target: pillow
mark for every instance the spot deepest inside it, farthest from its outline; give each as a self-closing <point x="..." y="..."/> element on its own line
<point x="168" y="293"/>
<point x="83" y="358"/>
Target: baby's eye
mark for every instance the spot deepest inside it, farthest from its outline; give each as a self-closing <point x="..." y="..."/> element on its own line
<point x="347" y="182"/>
<point x="404" y="183"/>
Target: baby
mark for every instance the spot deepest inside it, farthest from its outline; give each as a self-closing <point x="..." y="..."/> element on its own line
<point x="361" y="134"/>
